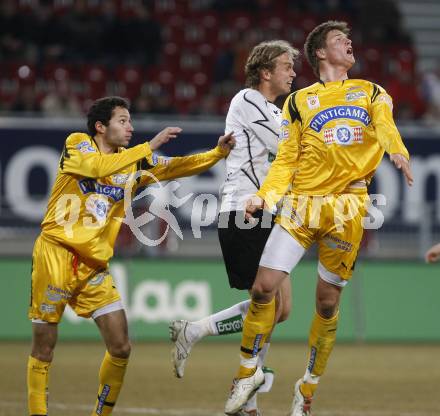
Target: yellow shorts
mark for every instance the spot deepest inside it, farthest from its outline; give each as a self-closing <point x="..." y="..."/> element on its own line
<point x="59" y="278"/>
<point x="334" y="222"/>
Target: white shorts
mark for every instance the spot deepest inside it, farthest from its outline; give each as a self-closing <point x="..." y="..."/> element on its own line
<point x="283" y="252"/>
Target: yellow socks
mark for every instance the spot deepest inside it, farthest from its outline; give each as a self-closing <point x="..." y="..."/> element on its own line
<point x="321" y="340"/>
<point x="37" y="383"/>
<point x="256" y="327"/>
<point x="111" y="376"/>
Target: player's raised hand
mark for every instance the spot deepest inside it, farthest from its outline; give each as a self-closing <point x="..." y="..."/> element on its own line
<point x="164" y="136"/>
<point x="253" y="204"/>
<point x="401" y="162"/>
<point x="227" y="142"/>
<point x="433" y="254"/>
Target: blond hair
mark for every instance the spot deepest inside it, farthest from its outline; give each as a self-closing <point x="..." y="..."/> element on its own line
<point x="263" y="56"/>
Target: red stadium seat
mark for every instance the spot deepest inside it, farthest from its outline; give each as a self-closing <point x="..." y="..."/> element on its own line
<point x="193" y="33"/>
<point x="164" y="10"/>
<point x="57" y="72"/>
<point x="159" y="80"/>
<point x="171" y="56"/>
<point x="173" y="30"/>
<point x="129" y="79"/>
<point x="95" y="79"/>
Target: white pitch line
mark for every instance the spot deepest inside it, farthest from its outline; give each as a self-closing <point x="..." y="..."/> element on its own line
<point x="205" y="412"/>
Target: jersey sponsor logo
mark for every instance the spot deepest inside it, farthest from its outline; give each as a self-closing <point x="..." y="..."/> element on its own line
<point x="334" y="242"/>
<point x="343" y="135"/>
<point x="353" y="96"/>
<point x="339" y="112"/>
<point x="55" y="294"/>
<point x="313" y="102"/>
<point x="85" y="147"/>
<point x="90" y="185"/>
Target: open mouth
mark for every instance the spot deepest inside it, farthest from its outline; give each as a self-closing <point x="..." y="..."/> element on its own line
<point x="350" y="51"/>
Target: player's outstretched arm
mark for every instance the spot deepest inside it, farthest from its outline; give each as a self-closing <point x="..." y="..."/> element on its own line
<point x="178" y="167"/>
<point x="164" y="136"/>
<point x="81" y="158"/>
<point x="401" y="162"/>
<point x="433" y="254"/>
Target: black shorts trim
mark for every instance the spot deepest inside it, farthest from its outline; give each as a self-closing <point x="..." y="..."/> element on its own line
<point x="242" y="245"/>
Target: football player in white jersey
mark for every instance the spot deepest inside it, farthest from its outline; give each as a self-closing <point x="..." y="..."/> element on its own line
<point x="256" y="123"/>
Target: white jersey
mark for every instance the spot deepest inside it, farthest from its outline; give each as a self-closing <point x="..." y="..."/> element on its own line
<point x="256" y="126"/>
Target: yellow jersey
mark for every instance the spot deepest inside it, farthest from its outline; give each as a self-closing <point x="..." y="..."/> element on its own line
<point x="332" y="134"/>
<point x="86" y="206"/>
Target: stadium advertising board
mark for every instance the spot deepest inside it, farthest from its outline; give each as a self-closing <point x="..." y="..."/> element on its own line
<point x="155" y="292"/>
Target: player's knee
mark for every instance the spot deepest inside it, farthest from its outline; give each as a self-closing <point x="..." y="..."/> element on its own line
<point x="120" y="350"/>
<point x="327" y="308"/>
<point x="43" y="352"/>
<point x="262" y="293"/>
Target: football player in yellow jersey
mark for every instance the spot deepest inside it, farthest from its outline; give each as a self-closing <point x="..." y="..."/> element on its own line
<point x="334" y="135"/>
<point x="84" y="214"/>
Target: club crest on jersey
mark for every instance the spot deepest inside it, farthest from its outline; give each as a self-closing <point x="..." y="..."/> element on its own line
<point x="98" y="206"/>
<point x="343" y="135"/>
<point x="339" y="112"/>
<point x="313" y="101"/>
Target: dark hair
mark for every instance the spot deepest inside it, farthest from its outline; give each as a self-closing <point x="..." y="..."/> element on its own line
<point x="263" y="56"/>
<point x="102" y="110"/>
<point x="316" y="40"/>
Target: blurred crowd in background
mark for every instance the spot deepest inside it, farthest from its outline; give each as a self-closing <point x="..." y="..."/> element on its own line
<point x="187" y="56"/>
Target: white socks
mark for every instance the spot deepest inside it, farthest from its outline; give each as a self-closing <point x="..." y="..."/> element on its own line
<point x="226" y="321"/>
<point x="230" y="320"/>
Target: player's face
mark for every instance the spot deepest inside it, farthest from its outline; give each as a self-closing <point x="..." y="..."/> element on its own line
<point x="119" y="130"/>
<point x="282" y="76"/>
<point x="338" y="50"/>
